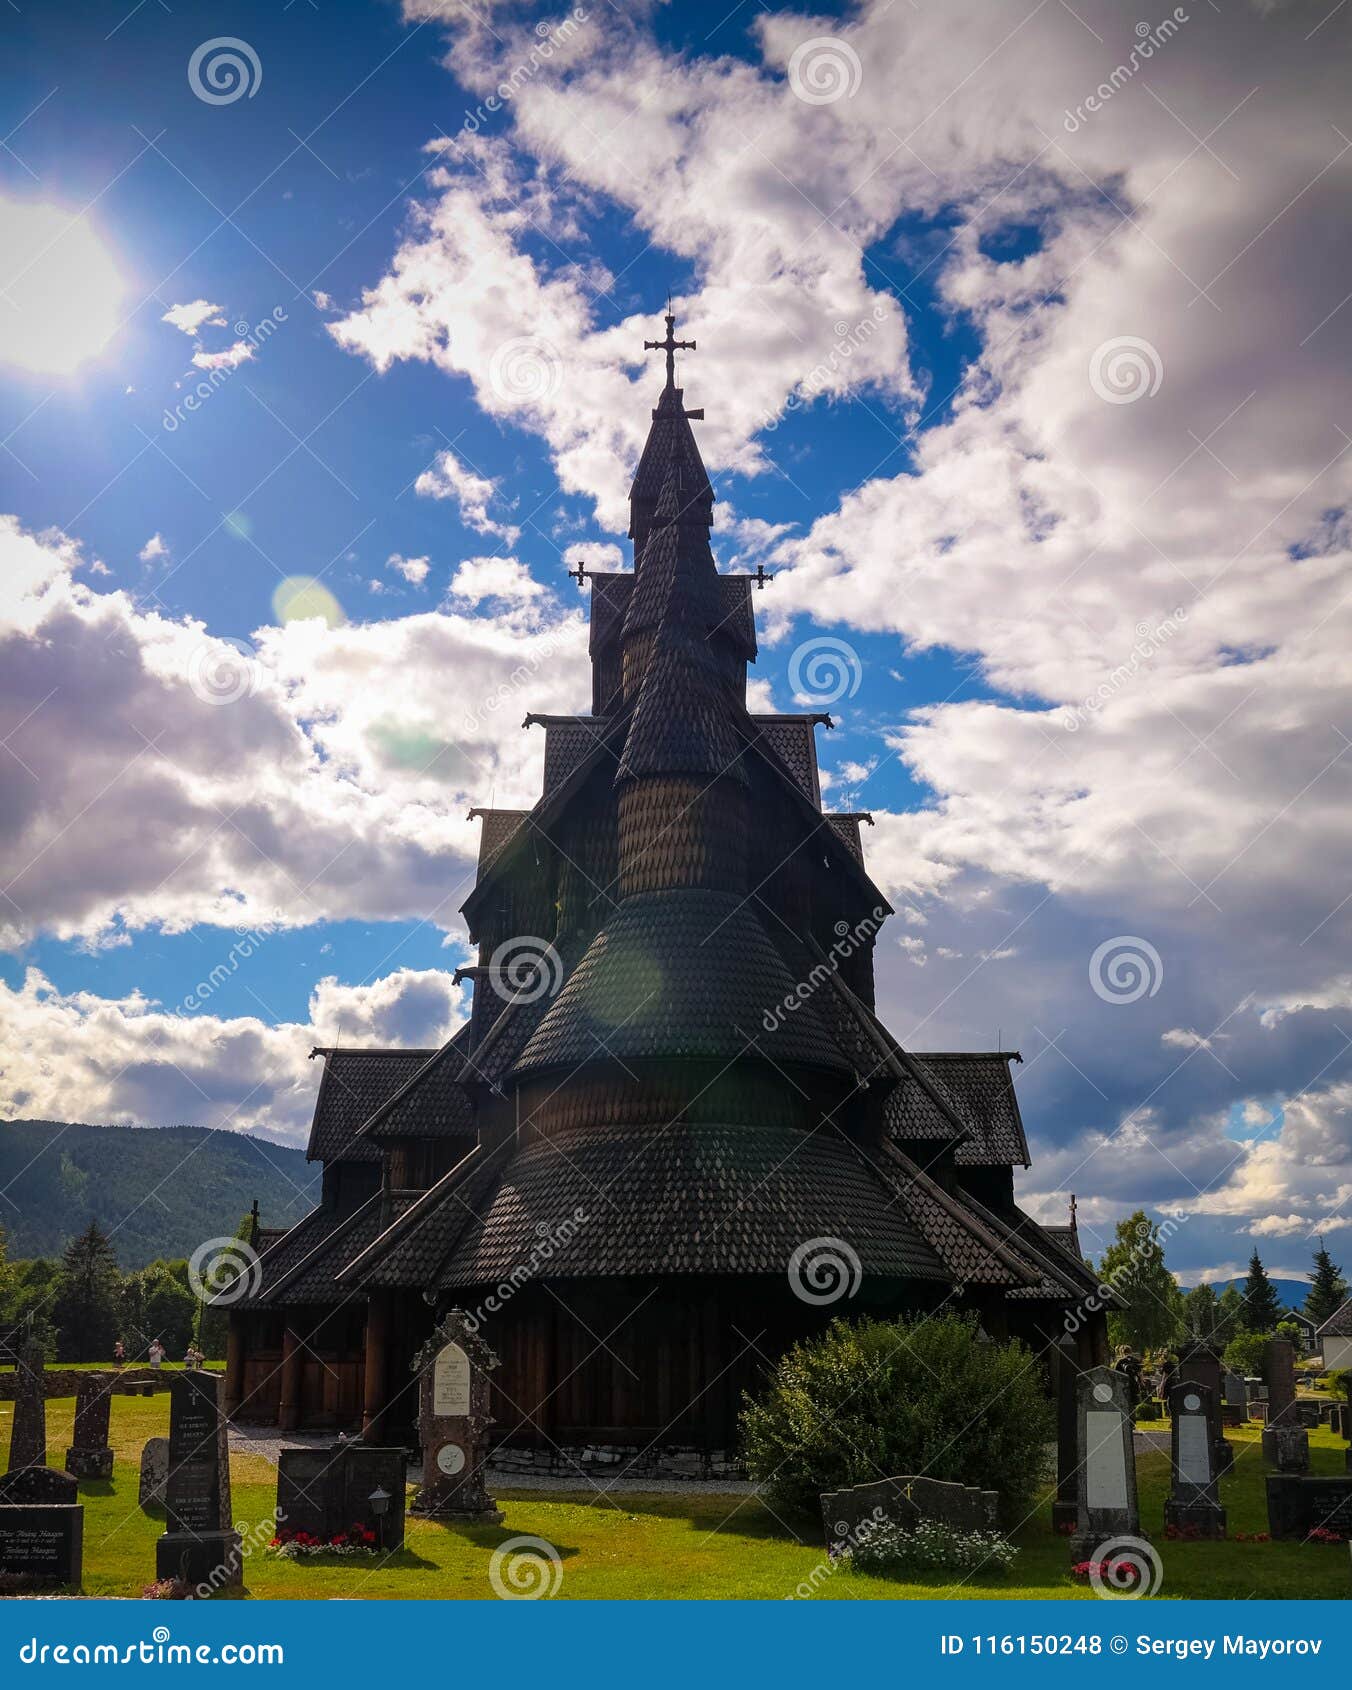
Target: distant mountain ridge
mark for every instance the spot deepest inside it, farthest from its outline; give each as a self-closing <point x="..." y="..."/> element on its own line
<point x="159" y="1191"/>
<point x="1292" y="1292"/>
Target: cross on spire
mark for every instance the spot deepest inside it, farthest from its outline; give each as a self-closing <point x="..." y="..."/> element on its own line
<point x="671" y="346"/>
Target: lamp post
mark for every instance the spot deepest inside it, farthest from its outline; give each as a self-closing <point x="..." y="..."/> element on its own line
<point x="380" y="1507"/>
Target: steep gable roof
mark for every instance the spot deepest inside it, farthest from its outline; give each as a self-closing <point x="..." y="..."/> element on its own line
<point x="355" y="1083"/>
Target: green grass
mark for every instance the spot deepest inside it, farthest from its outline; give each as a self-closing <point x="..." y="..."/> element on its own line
<point x="644" y="1546"/>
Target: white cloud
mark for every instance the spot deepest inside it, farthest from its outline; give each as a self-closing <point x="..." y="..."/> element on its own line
<point x="479" y="578"/>
<point x="241" y="352"/>
<point x="413" y="569"/>
<point x="154" y="549"/>
<point x="448" y="478"/>
<point x="190" y="318"/>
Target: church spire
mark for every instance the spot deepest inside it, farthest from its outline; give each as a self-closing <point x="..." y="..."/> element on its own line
<point x="670" y="445"/>
<point x="671" y="346"/>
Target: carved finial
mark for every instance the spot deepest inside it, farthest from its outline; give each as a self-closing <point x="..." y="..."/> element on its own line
<point x="763" y="575"/>
<point x="671" y="346"/>
<point x="578" y="573"/>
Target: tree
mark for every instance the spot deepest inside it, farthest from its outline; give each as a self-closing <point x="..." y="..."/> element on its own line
<point x="1244" y="1354"/>
<point x="1134" y="1266"/>
<point x="1202" y="1313"/>
<point x="1328" y="1289"/>
<point x="157" y="1303"/>
<point x="1262" y="1306"/>
<point x="85" y="1307"/>
<point x="1231" y="1304"/>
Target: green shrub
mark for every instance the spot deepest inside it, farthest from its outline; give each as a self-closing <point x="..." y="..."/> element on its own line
<point x="881" y="1398"/>
<point x="1244" y="1354"/>
<point x="930" y="1546"/>
<point x="1339" y="1383"/>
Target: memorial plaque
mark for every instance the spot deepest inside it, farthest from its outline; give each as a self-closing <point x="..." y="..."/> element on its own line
<point x="1193" y="1504"/>
<point x="1194" y="1452"/>
<point x="1297" y="1506"/>
<point x="42" y="1543"/>
<point x="1199" y="1363"/>
<point x="453" y="1421"/>
<point x="1107" y="1506"/>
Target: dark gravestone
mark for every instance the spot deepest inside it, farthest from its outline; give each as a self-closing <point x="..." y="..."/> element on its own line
<point x="41" y="1544"/>
<point x="1234" y="1400"/>
<point x="22" y="1486"/>
<point x="28" y="1441"/>
<point x="90" y="1455"/>
<point x="1065" y="1506"/>
<point x="1194" y="1503"/>
<point x="453" y="1420"/>
<point x="1279" y="1374"/>
<point x="1199" y="1363"/>
<point x="1108" y="1506"/>
<point x="849" y="1515"/>
<point x="154" y="1472"/>
<point x="1298" y="1506"/>
<point x="1287" y="1448"/>
<point x="330" y="1490"/>
<point x="200" y="1546"/>
<point x="1310" y="1415"/>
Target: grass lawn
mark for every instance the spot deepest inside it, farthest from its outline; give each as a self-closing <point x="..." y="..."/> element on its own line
<point x="644" y="1546"/>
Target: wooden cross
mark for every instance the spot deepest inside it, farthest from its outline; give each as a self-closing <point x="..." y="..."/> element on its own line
<point x="671" y="346"/>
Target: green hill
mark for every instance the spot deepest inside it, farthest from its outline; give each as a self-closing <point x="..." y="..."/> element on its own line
<point x="160" y="1191"/>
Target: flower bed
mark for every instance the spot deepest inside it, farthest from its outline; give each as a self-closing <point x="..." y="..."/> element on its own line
<point x="297" y="1546"/>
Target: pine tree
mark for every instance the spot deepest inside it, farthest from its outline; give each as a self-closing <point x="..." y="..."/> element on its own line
<point x="1328" y="1289"/>
<point x="85" y="1307"/>
<point x="1262" y="1306"/>
<point x="1134" y="1266"/>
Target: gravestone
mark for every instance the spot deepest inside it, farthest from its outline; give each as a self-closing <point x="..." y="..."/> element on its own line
<point x="1065" y="1506"/>
<point x="850" y="1514"/>
<point x="1107" y="1505"/>
<point x="1199" y="1363"/>
<point x="329" y="1490"/>
<point x="453" y="1420"/>
<point x="90" y="1455"/>
<point x="1287" y="1448"/>
<point x="1234" y="1400"/>
<point x="1194" y="1503"/>
<point x="1279" y="1373"/>
<point x="201" y="1545"/>
<point x="28" y="1440"/>
<point x="154" y="1472"/>
<point x="22" y="1486"/>
<point x="1310" y="1415"/>
<point x="1297" y="1506"/>
<point x="41" y="1544"/>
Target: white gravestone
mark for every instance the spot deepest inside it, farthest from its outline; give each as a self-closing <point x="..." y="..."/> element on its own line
<point x="450" y="1381"/>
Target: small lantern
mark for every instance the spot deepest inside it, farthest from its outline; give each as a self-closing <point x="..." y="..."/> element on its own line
<point x="380" y="1506"/>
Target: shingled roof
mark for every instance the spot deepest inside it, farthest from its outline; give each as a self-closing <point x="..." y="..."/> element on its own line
<point x="356" y="1083"/>
<point x="1338" y="1324"/>
<point x="980" y="1084"/>
<point x="678" y="973"/>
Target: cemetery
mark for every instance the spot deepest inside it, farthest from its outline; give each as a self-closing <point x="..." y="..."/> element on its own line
<point x="159" y="1500"/>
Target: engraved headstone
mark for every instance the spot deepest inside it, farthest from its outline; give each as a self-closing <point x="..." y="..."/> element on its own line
<point x="90" y="1455"/>
<point x="201" y="1545"/>
<point x="1107" y="1505"/>
<point x="332" y="1489"/>
<point x="28" y="1439"/>
<point x="848" y="1514"/>
<point x="1194" y="1503"/>
<point x="1199" y="1363"/>
<point x="154" y="1472"/>
<point x="1297" y="1506"/>
<point x="41" y="1544"/>
<point x="453" y="1420"/>
<point x="1287" y="1448"/>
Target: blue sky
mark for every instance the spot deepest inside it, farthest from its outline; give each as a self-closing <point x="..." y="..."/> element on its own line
<point x="1040" y="416"/>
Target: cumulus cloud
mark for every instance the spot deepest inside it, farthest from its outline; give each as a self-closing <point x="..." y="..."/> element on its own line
<point x="479" y="578"/>
<point x="413" y="569"/>
<point x="448" y="478"/>
<point x="154" y="549"/>
<point x="75" y="1056"/>
<point x="230" y="359"/>
<point x="191" y="317"/>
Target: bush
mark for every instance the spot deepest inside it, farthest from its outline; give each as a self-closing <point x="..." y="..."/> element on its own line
<point x="886" y="1397"/>
<point x="930" y="1546"/>
<point x="1244" y="1354"/>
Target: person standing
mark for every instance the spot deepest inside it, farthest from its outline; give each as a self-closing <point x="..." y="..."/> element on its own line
<point x="119" y="1354"/>
<point x="157" y="1353"/>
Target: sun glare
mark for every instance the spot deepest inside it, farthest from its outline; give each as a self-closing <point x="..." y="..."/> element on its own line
<point x="60" y="292"/>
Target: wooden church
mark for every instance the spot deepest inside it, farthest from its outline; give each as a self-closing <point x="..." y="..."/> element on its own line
<point x="673" y="1135"/>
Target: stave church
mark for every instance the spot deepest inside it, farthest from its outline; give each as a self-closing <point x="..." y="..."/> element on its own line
<point x="674" y="1135"/>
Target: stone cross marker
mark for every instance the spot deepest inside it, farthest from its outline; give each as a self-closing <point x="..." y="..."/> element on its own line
<point x="1107" y="1503"/>
<point x="28" y="1441"/>
<point x="1194" y="1501"/>
<point x="201" y="1545"/>
<point x="453" y="1420"/>
<point x="90" y="1455"/>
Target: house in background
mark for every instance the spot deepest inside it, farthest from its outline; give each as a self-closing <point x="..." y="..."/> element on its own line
<point x="1335" y="1335"/>
<point x="1308" y="1342"/>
